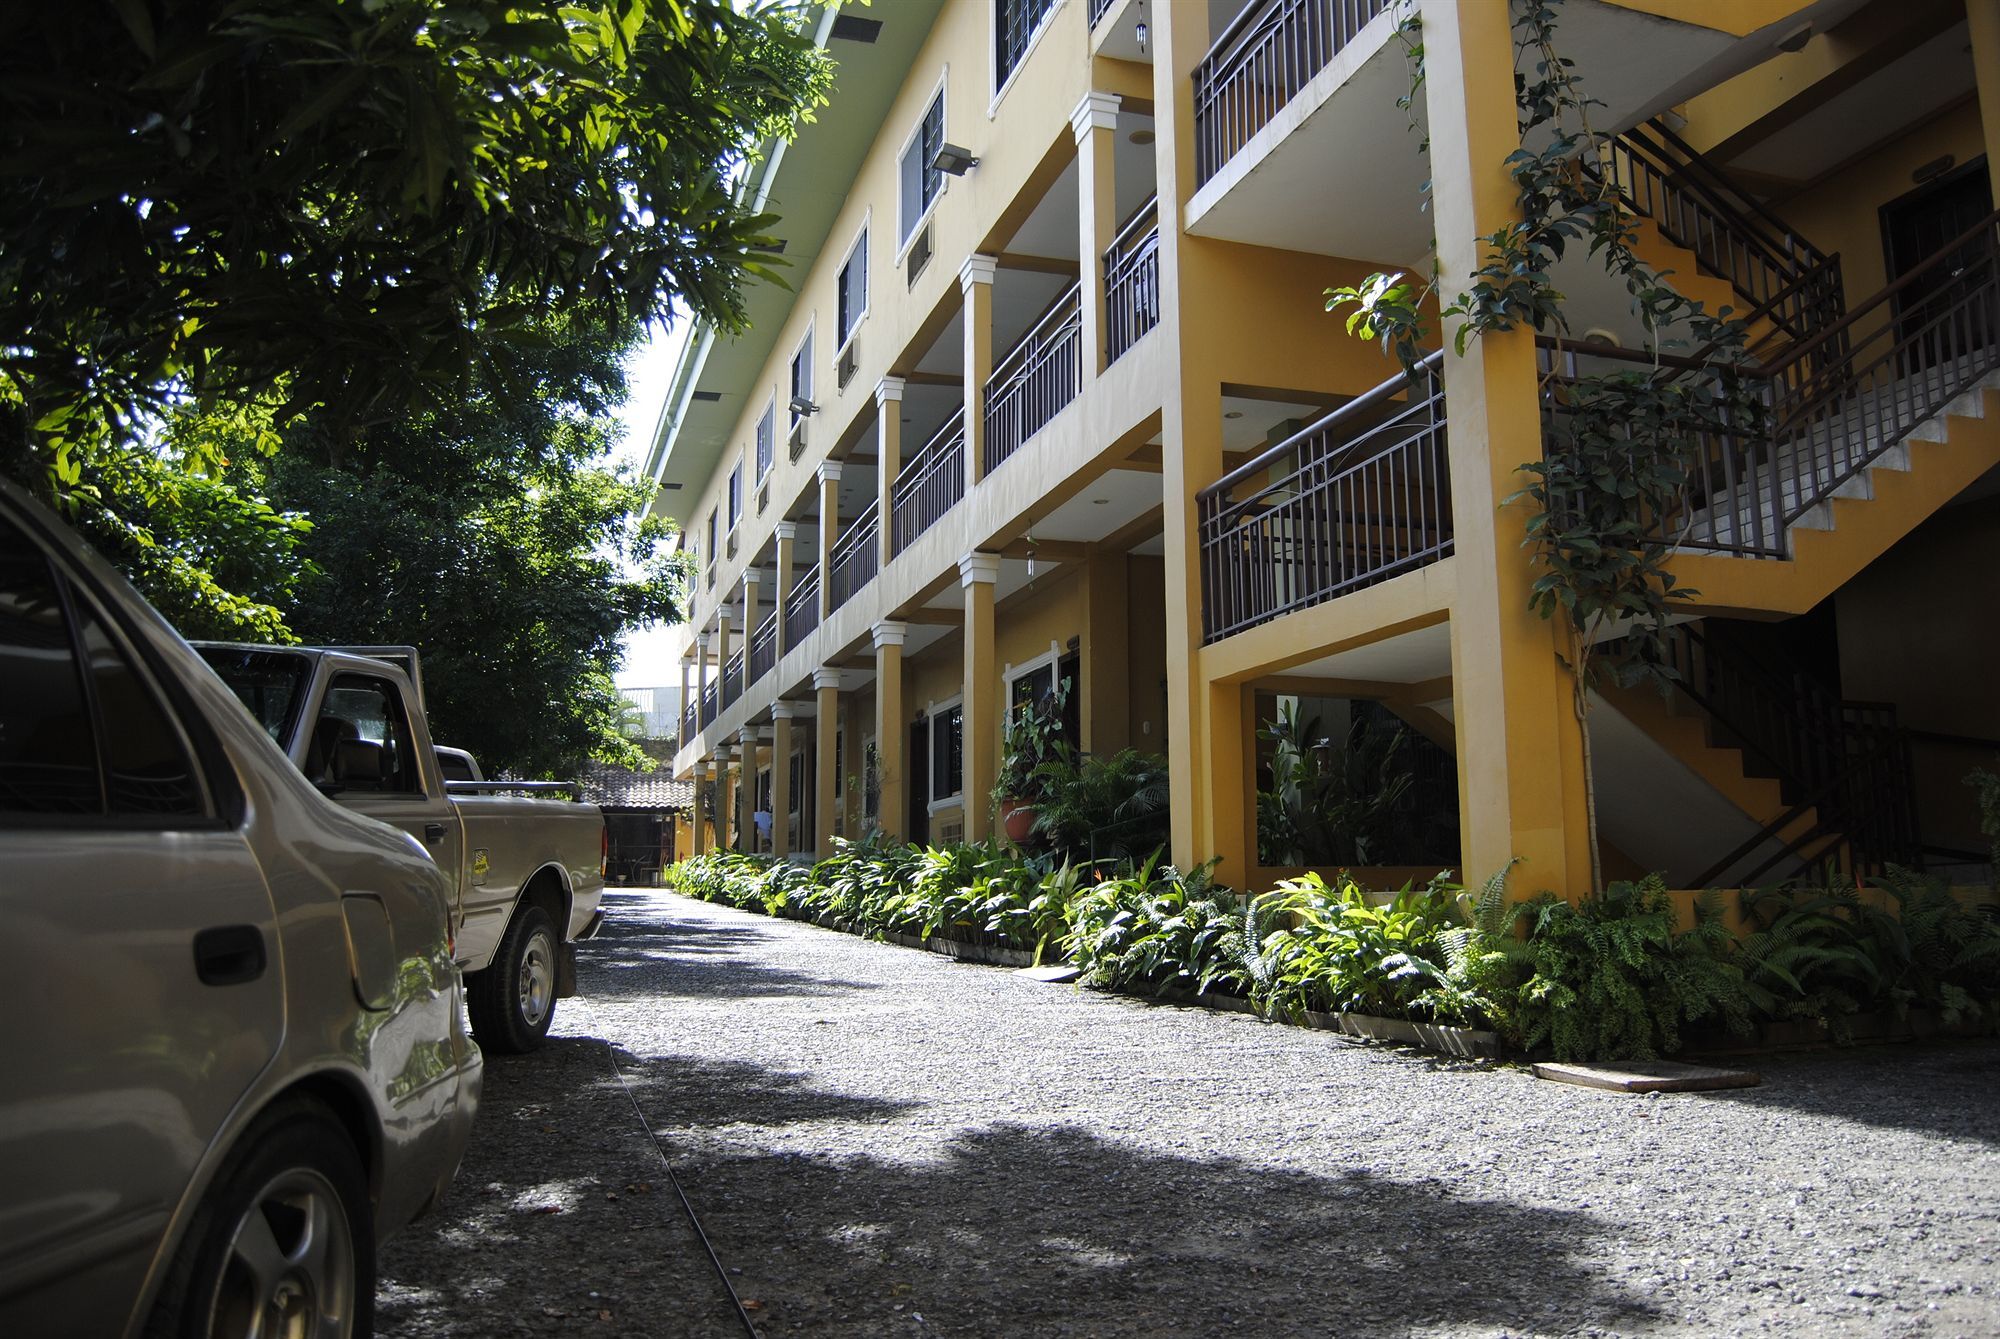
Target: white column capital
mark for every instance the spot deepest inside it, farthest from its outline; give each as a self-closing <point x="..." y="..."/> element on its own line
<point x="786" y="531"/>
<point x="829" y="471"/>
<point x="1097" y="111"/>
<point x="826" y="677"/>
<point x="753" y="576"/>
<point x="782" y="710"/>
<point x="978" y="269"/>
<point x="890" y="633"/>
<point x="724" y="755"/>
<point x="701" y="640"/>
<point x="979" y="568"/>
<point x="748" y="738"/>
<point x="888" y="388"/>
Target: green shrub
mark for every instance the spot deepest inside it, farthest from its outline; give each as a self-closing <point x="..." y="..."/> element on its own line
<point x="1335" y="950"/>
<point x="1103" y="808"/>
<point x="1156" y="929"/>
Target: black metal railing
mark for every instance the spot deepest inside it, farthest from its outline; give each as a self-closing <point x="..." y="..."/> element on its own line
<point x="1132" y="281"/>
<point x="732" y="678"/>
<point x="1843" y="765"/>
<point x="711" y="702"/>
<point x="1261" y="62"/>
<point x="690" y="721"/>
<point x="1037" y="378"/>
<point x="764" y="647"/>
<point x="929" y="485"/>
<point x="853" y="561"/>
<point x="1731" y="233"/>
<point x="802" y="609"/>
<point x="1353" y="499"/>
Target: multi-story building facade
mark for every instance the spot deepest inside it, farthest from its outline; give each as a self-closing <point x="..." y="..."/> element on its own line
<point x="1052" y="397"/>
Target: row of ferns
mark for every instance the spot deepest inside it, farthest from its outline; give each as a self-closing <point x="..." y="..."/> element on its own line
<point x="1616" y="975"/>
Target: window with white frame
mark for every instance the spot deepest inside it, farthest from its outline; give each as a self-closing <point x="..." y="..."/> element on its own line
<point x="767" y="442"/>
<point x="735" y="496"/>
<point x="921" y="180"/>
<point x="802" y="376"/>
<point x="708" y="554"/>
<point x="853" y="304"/>
<point x="947" y="727"/>
<point x="1016" y="24"/>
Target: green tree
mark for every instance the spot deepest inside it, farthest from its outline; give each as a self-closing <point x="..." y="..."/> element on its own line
<point x="488" y="533"/>
<point x="346" y="210"/>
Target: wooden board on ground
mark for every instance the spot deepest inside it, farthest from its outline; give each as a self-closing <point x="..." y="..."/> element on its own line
<point x="1649" y="1076"/>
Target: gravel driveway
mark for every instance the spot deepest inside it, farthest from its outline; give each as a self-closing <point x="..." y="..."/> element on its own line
<point x="883" y="1142"/>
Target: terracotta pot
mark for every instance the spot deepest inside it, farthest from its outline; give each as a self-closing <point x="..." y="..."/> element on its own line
<point x="1017" y="819"/>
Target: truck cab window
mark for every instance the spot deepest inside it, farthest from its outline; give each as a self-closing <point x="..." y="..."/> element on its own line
<point x="361" y="741"/>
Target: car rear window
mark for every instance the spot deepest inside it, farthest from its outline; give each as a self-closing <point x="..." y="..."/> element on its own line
<point x="269" y="683"/>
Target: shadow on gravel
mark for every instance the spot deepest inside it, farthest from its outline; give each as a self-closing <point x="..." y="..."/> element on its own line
<point x="1057" y="1232"/>
<point x="561" y="1222"/>
<point x="1935" y="1087"/>
<point x="735" y="1093"/>
<point x="695" y="958"/>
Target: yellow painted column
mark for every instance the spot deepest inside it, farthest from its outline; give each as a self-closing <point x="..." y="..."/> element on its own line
<point x="725" y="799"/>
<point x="700" y="679"/>
<point x="1520" y="755"/>
<point x="787" y="533"/>
<point x="1094" y="123"/>
<point x="975" y="282"/>
<point x="1982" y="22"/>
<point x="829" y="532"/>
<point x="1108" y="619"/>
<point x="781" y="779"/>
<point x="888" y="463"/>
<point x="1191" y="279"/>
<point x="746" y="791"/>
<point x="980" y="737"/>
<point x="700" y="805"/>
<point x="753" y="581"/>
<point x="826" y="742"/>
<point x="892" y="732"/>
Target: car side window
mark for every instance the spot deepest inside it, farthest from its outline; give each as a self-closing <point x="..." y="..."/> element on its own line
<point x="361" y="740"/>
<point x="48" y="751"/>
<point x="81" y="731"/>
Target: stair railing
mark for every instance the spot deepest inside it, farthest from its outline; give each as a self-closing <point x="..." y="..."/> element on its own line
<point x="1733" y="235"/>
<point x="1847" y="762"/>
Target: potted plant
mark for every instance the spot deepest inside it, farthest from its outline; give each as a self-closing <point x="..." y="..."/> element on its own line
<point x="1031" y="737"/>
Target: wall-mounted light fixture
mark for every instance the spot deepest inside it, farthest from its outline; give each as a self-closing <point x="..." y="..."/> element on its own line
<point x="1934" y="169"/>
<point x="802" y="406"/>
<point x="953" y="160"/>
<point x="1796" y="39"/>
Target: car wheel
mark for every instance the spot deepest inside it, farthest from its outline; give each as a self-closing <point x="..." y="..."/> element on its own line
<point x="514" y="999"/>
<point x="284" y="1243"/>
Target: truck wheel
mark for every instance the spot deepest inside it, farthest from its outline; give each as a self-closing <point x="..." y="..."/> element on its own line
<point x="513" y="1000"/>
<point x="284" y="1242"/>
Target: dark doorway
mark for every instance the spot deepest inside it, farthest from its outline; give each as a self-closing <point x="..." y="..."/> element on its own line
<point x="1916" y="227"/>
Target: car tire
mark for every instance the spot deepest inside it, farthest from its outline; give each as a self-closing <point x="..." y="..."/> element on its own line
<point x="285" y="1236"/>
<point x="513" y="1001"/>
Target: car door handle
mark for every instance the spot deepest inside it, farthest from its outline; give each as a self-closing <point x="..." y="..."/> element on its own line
<point x="433" y="833"/>
<point x="229" y="955"/>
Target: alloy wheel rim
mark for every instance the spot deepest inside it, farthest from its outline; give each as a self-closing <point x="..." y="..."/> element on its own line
<point x="538" y="979"/>
<point x="288" y="1272"/>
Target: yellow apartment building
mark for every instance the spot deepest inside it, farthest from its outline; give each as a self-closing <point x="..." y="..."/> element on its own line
<point x="1053" y="397"/>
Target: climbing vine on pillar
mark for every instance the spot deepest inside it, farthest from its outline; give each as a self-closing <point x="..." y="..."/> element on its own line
<point x="1610" y="491"/>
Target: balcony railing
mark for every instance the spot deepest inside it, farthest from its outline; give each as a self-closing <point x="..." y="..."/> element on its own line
<point x="1132" y="282"/>
<point x="853" y="561"/>
<point x="802" y="610"/>
<point x="764" y="647"/>
<point x="1260" y="63"/>
<point x="711" y="702"/>
<point x="1098" y="9"/>
<point x="1036" y="379"/>
<point x="929" y="485"/>
<point x="690" y="721"/>
<point x="732" y="679"/>
<point x="1343" y="504"/>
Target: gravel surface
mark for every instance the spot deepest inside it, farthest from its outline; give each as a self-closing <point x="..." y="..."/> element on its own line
<point x="884" y="1142"/>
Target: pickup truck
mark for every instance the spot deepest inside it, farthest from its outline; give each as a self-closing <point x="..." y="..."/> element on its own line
<point x="527" y="868"/>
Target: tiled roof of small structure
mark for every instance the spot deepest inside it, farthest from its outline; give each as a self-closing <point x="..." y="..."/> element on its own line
<point x="623" y="788"/>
